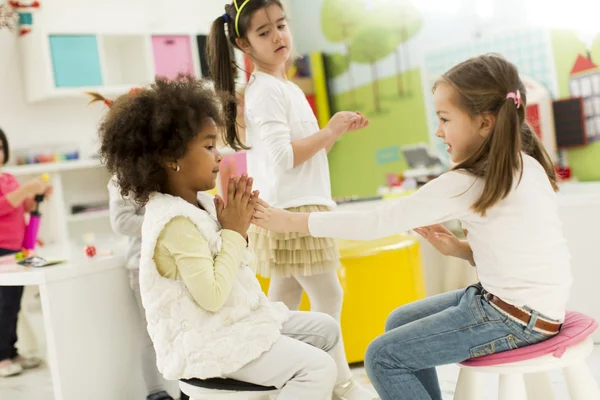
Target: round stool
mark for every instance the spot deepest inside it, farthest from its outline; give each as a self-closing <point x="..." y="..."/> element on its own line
<point x="523" y="371"/>
<point x="215" y="389"/>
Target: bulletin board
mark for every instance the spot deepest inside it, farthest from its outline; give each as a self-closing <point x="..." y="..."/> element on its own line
<point x="569" y="119"/>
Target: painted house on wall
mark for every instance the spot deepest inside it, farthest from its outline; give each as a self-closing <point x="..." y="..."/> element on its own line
<point x="585" y="83"/>
<point x="540" y="115"/>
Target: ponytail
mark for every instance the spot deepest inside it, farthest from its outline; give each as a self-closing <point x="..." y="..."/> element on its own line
<point x="504" y="158"/>
<point x="223" y="70"/>
<point x="96" y="97"/>
<point x="534" y="148"/>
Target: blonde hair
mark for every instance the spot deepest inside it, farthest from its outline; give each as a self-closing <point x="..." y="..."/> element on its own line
<point x="481" y="85"/>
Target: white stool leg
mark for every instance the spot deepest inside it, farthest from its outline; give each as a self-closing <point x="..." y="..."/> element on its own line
<point x="467" y="386"/>
<point x="512" y="387"/>
<point x="581" y="383"/>
<point x="538" y="386"/>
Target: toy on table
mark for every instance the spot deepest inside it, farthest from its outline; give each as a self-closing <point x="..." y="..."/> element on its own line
<point x="12" y="258"/>
<point x="33" y="227"/>
<point x="38" y="262"/>
<point x="27" y="258"/>
<point x="23" y="254"/>
<point x="92" y="251"/>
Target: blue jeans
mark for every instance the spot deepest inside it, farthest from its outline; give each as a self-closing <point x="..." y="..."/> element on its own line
<point x="444" y="329"/>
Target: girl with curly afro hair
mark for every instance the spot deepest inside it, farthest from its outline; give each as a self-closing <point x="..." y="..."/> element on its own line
<point x="206" y="314"/>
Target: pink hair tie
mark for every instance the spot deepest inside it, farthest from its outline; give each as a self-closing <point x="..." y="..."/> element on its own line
<point x="516" y="97"/>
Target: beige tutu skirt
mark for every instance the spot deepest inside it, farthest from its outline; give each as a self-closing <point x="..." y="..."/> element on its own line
<point x="293" y="254"/>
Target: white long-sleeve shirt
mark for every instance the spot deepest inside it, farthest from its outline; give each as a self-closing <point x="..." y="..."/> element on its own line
<point x="126" y="218"/>
<point x="276" y="113"/>
<point x="518" y="247"/>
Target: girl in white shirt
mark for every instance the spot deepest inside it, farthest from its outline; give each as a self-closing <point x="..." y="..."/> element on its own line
<point x="287" y="157"/>
<point x="503" y="191"/>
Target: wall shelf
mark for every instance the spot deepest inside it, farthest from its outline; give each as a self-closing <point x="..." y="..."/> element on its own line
<point x="59" y="65"/>
<point x="89" y="215"/>
<point x="74" y="182"/>
<point x="39" y="169"/>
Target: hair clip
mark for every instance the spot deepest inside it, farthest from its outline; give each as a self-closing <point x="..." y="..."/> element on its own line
<point x="516" y="97"/>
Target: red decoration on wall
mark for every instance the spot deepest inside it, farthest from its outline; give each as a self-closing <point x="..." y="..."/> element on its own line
<point x="533" y="118"/>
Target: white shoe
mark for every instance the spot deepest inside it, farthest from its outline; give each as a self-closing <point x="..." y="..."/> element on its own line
<point x="10" y="369"/>
<point x="28" y="362"/>
<point x="352" y="391"/>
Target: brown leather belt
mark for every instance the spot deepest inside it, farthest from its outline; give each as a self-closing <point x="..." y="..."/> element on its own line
<point x="521" y="315"/>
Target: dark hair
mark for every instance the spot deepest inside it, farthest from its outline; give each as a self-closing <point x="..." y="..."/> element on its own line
<point x="5" y="148"/>
<point x="482" y="84"/>
<point x="147" y="128"/>
<point x="221" y="61"/>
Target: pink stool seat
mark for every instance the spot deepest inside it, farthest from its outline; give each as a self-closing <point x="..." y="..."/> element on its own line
<point x="576" y="328"/>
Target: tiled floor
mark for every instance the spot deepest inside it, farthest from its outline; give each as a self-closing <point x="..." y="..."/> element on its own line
<point x="36" y="385"/>
<point x="449" y="374"/>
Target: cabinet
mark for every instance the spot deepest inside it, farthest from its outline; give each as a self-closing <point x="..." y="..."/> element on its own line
<point x="75" y="60"/>
<point x="68" y="64"/>
<point x="172" y="56"/>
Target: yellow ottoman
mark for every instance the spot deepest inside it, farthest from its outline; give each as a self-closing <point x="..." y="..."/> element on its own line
<point x="377" y="276"/>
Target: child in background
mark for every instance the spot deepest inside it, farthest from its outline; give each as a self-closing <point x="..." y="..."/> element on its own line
<point x="126" y="218"/>
<point x="287" y="156"/>
<point x="502" y="189"/>
<point x="15" y="202"/>
<point x="206" y="313"/>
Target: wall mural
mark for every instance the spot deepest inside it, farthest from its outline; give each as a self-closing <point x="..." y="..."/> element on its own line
<point x="384" y="55"/>
<point x="372" y="34"/>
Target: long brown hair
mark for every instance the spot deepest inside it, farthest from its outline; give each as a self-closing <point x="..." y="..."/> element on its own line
<point x="221" y="60"/>
<point x="482" y="84"/>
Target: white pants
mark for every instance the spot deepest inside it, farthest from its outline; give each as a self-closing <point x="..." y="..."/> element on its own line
<point x="326" y="296"/>
<point x="152" y="378"/>
<point x="298" y="363"/>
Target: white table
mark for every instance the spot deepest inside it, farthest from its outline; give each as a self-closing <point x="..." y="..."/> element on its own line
<point x="91" y="327"/>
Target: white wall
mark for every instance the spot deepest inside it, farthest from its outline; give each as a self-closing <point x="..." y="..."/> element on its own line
<point x="72" y="121"/>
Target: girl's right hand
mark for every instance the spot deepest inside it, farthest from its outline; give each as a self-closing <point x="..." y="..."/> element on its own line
<point x="345" y="121"/>
<point x="241" y="201"/>
<point x="37" y="186"/>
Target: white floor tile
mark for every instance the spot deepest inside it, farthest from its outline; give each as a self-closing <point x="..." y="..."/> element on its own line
<point x="448" y="375"/>
<point x="37" y="385"/>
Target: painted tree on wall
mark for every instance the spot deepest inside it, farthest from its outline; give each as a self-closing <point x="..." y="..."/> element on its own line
<point x="404" y="21"/>
<point x="369" y="45"/>
<point x="339" y="21"/>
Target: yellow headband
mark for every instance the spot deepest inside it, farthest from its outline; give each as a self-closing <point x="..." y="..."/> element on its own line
<point x="238" y="13"/>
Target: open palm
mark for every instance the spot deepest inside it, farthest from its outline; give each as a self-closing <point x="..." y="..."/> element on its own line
<point x="441" y="238"/>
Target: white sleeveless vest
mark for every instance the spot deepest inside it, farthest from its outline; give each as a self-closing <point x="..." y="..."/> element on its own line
<point x="191" y="342"/>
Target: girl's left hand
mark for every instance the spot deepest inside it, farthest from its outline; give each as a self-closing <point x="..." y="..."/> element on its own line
<point x="271" y="218"/>
<point x="441" y="238"/>
<point x="29" y="205"/>
<point x="360" y="123"/>
<point x="48" y="192"/>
